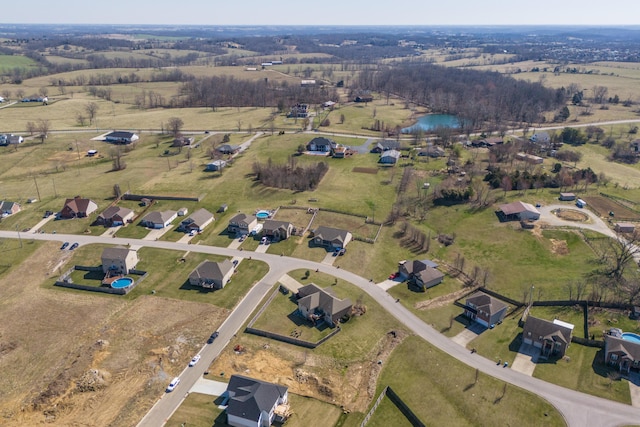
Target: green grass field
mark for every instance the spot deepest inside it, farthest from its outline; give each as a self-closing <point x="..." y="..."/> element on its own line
<point x="9" y="62"/>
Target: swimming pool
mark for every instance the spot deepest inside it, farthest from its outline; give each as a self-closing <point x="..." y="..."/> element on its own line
<point x="122" y="283"/>
<point x="263" y="214"/>
<point x="635" y="338"/>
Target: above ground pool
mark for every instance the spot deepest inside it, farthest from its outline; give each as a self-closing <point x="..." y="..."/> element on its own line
<point x="635" y="338"/>
<point x="263" y="214"/>
<point x="122" y="283"/>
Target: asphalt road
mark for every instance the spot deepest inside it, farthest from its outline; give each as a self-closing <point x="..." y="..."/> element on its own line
<point x="578" y="409"/>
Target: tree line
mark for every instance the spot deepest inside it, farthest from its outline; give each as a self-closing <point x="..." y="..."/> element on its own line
<point x="290" y="175"/>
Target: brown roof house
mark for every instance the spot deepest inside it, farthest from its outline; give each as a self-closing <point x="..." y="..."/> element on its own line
<point x="8" y="208"/>
<point x="78" y="208"/>
<point x="197" y="221"/>
<point x="484" y="309"/>
<point x="118" y="260"/>
<point x="115" y="216"/>
<point x="158" y="219"/>
<point x="212" y="275"/>
<point x="277" y="230"/>
<point x="518" y="211"/>
<point x="422" y="274"/>
<point x="331" y="238"/>
<point x="622" y="352"/>
<point x="242" y="224"/>
<point x="552" y="338"/>
<point x="255" y="403"/>
<point x="317" y="304"/>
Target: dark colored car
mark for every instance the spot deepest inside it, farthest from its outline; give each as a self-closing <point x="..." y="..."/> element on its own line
<point x="64" y="245"/>
<point x="47" y="214"/>
<point x="213" y="337"/>
<point x="75" y="245"/>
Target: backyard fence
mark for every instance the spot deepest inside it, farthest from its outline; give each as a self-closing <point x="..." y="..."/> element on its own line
<point x="399" y="403"/>
<point x="139" y="197"/>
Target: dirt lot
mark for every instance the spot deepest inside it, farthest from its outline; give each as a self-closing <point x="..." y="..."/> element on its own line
<point x="603" y="205"/>
<point x="75" y="358"/>
<point x="351" y="385"/>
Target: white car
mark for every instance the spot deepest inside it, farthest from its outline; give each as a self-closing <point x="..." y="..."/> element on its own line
<point x="195" y="360"/>
<point x="173" y="384"/>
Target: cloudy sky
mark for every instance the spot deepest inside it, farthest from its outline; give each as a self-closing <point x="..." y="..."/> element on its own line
<point x="327" y="12"/>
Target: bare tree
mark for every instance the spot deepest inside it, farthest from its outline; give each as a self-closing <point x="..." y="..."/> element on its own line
<point x="6" y="94"/>
<point x="20" y="93"/>
<point x="92" y="109"/>
<point x="118" y="161"/>
<point x="43" y="129"/>
<point x="600" y="94"/>
<point x="175" y="124"/>
<point x="81" y="119"/>
<point x="31" y="128"/>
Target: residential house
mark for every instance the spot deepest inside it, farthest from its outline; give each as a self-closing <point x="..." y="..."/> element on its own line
<point x="228" y="149"/>
<point x="635" y="146"/>
<point x="389" y="157"/>
<point x="420" y="273"/>
<point x="317" y="304"/>
<point x="115" y="216"/>
<point x="386" y="145"/>
<point x="321" y="144"/>
<point x="567" y="197"/>
<point x="242" y="224"/>
<point x="212" y="275"/>
<point x="620" y="352"/>
<point x="625" y="227"/>
<point x="197" y="221"/>
<point x="299" y="111"/>
<point x="15" y="139"/>
<point x="118" y="260"/>
<point x="363" y="98"/>
<point x="3" y="140"/>
<point x="121" y="137"/>
<point x="77" y="207"/>
<point x="485" y="309"/>
<point x="277" y="230"/>
<point x="215" y="165"/>
<point x="158" y="219"/>
<point x="552" y="338"/>
<point x="432" y="151"/>
<point x="307" y="83"/>
<point x="339" y="152"/>
<point x="8" y="208"/>
<point x="255" y="403"/>
<point x="540" y="138"/>
<point x="183" y="211"/>
<point x="183" y="141"/>
<point x="518" y="211"/>
<point x="529" y="158"/>
<point x="331" y="238"/>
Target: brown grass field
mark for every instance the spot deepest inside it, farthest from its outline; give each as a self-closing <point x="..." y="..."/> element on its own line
<point x="603" y="205"/>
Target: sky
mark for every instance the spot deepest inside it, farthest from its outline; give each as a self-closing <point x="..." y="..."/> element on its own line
<point x="326" y="12"/>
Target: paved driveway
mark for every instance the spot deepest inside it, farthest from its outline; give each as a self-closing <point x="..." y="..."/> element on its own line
<point x="210" y="387"/>
<point x="290" y="283"/>
<point x="526" y="359"/>
<point x="469" y="334"/>
<point x="594" y="224"/>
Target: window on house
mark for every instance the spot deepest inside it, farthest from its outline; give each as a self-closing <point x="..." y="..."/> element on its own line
<point x="614" y="357"/>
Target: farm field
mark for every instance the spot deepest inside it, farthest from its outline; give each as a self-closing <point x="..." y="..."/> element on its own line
<point x="603" y="205"/>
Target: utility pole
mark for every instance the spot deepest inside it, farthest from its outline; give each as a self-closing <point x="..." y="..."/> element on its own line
<point x="19" y="238"/>
<point x="37" y="189"/>
<point x="77" y="149"/>
<point x="55" y="193"/>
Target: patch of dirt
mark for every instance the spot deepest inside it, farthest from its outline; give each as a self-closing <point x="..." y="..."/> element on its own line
<point x="571" y="215"/>
<point x="350" y="385"/>
<point x="559" y="247"/>
<point x="76" y="358"/>
<point x="442" y="300"/>
<point x="372" y="171"/>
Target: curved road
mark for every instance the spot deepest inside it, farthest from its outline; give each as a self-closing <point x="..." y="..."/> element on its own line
<point x="578" y="409"/>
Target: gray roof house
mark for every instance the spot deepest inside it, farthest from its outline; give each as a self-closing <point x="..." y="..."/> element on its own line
<point x="386" y="145"/>
<point x="8" y="208"/>
<point x="389" y="157"/>
<point x="121" y="137"/>
<point x="197" y="221"/>
<point x="331" y="238"/>
<point x="321" y="144"/>
<point x="228" y="149"/>
<point x="215" y="165"/>
<point x="158" y="219"/>
<point x="255" y="403"/>
<point x="420" y="273"/>
<point x="242" y="224"/>
<point x="622" y="353"/>
<point x="277" y="230"/>
<point x="212" y="275"/>
<point x="118" y="260"/>
<point x="317" y="304"/>
<point x="552" y="338"/>
<point x="115" y="216"/>
<point x="484" y="309"/>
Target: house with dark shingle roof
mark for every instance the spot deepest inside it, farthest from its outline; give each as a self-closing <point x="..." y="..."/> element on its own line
<point x="420" y="273"/>
<point x="321" y="144"/>
<point x="552" y="338"/>
<point x="317" y="304"/>
<point x="8" y="208"/>
<point x="115" y="216"/>
<point x="197" y="221"/>
<point x="121" y="137"/>
<point x="158" y="219"/>
<point x="386" y="145"/>
<point x="277" y="230"/>
<point x="77" y="207"/>
<point x="255" y="403"/>
<point x="118" y="260"/>
<point x="389" y="157"/>
<point x="485" y="309"/>
<point x="331" y="238"/>
<point x="624" y="354"/>
<point x="242" y="224"/>
<point x="212" y="275"/>
<point x="228" y="149"/>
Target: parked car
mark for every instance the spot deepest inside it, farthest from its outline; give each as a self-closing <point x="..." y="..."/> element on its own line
<point x="195" y="360"/>
<point x="213" y="337"/>
<point x="173" y="384"/>
<point x="64" y="245"/>
<point x="393" y="276"/>
<point x="235" y="262"/>
<point x="47" y="214"/>
<point x="265" y="241"/>
<point x="342" y="251"/>
<point x="75" y="245"/>
<point x="241" y="239"/>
